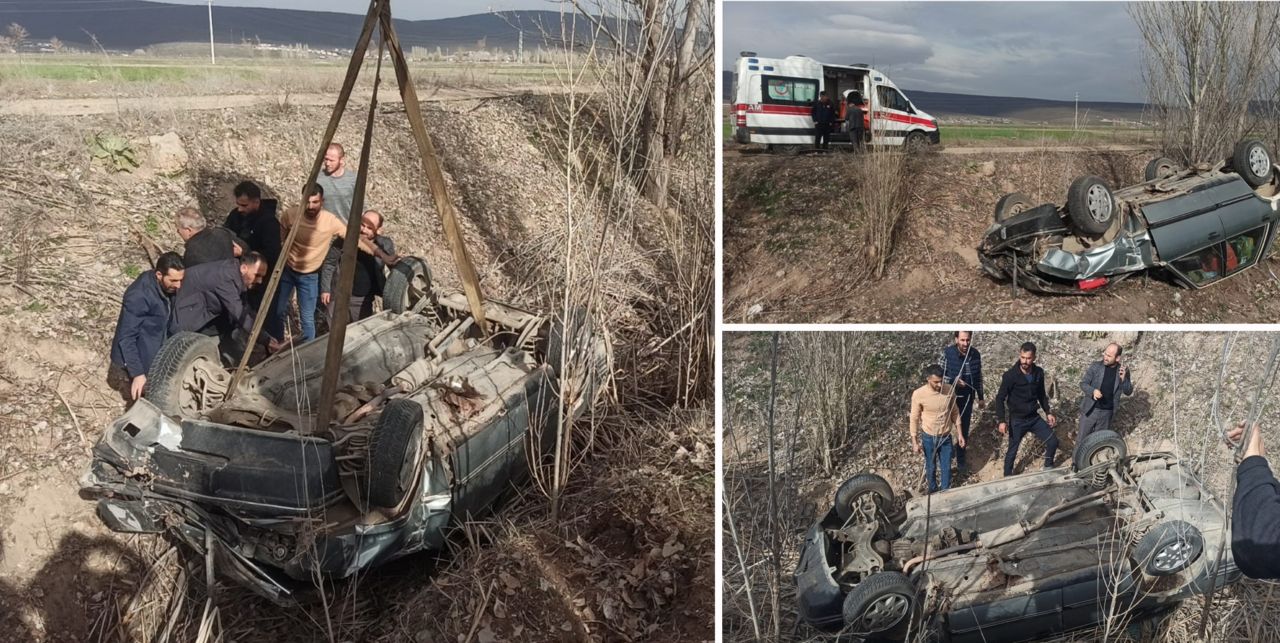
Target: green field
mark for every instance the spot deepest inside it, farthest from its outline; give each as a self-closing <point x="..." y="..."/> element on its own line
<point x="118" y="73"/>
<point x="1011" y="135"/>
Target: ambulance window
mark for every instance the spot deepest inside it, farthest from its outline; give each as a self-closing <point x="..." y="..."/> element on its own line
<point x="789" y="91"/>
<point x="891" y="99"/>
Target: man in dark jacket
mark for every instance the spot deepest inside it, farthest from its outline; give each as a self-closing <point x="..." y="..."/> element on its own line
<point x="370" y="274"/>
<point x="254" y="220"/>
<point x="824" y="117"/>
<point x="962" y="369"/>
<point x="146" y="320"/>
<point x="1022" y="389"/>
<point x="1255" y="510"/>
<point x="203" y="243"/>
<point x="212" y="299"/>
<point x="1103" y="384"/>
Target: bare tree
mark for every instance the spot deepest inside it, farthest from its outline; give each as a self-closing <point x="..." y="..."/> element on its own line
<point x="56" y="44"/>
<point x="1203" y="66"/>
<point x="17" y="35"/>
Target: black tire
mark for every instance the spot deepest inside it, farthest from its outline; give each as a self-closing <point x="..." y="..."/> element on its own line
<point x="1091" y="205"/>
<point x="1252" y="161"/>
<point x="1099" y="444"/>
<point x="1158" y="169"/>
<point x="393" y="452"/>
<point x="1169" y="548"/>
<point x="880" y="607"/>
<point x="856" y="487"/>
<point x="915" y="141"/>
<point x="1011" y="204"/>
<point x="578" y="335"/>
<point x="410" y="279"/>
<point x="170" y="368"/>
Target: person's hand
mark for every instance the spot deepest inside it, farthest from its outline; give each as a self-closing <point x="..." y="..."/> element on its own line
<point x="274" y="346"/>
<point x="960" y="382"/>
<point x="391" y="260"/>
<point x="1053" y="421"/>
<point x="1003" y="428"/>
<point x="915" y="444"/>
<point x="325" y="298"/>
<point x="960" y="439"/>
<point x="1097" y="394"/>
<point x="1123" y="371"/>
<point x="136" y="386"/>
<point x="982" y="404"/>
<point x="1255" y="446"/>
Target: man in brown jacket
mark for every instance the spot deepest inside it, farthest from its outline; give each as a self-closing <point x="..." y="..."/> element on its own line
<point x="935" y="414"/>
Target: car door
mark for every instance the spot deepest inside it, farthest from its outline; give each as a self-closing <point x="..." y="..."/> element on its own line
<point x="891" y="118"/>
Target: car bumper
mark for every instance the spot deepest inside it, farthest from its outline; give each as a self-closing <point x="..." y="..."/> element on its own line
<point x="821" y="602"/>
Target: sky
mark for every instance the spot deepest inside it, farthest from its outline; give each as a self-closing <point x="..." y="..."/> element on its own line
<point x="404" y="9"/>
<point x="1045" y="50"/>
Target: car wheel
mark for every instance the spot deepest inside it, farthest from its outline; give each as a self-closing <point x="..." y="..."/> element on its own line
<point x="1098" y="447"/>
<point x="187" y="377"/>
<point x="1169" y="548"/>
<point x="865" y="492"/>
<point x="394" y="447"/>
<point x="408" y="283"/>
<point x="1159" y="168"/>
<point x="915" y="142"/>
<point x="588" y="365"/>
<point x="1011" y="204"/>
<point x="880" y="607"/>
<point x="1252" y="161"/>
<point x="1091" y="205"/>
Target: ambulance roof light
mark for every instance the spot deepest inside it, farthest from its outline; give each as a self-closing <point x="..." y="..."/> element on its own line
<point x="746" y="54"/>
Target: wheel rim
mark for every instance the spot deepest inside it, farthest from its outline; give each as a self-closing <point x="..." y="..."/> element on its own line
<point x="865" y="505"/>
<point x="1259" y="162"/>
<point x="1173" y="556"/>
<point x="203" y="387"/>
<point x="1105" y="454"/>
<point x="1165" y="170"/>
<point x="885" y="612"/>
<point x="1099" y="203"/>
<point x="1019" y="207"/>
<point x="417" y="287"/>
<point x="409" y="466"/>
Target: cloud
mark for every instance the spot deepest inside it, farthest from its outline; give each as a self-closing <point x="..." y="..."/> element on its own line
<point x="1030" y="49"/>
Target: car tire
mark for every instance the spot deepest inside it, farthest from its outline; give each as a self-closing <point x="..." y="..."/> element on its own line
<point x="858" y="486"/>
<point x="1012" y="204"/>
<point x="1252" y="161"/>
<point x="1169" y="548"/>
<point x="1096" y="445"/>
<point x="394" y="446"/>
<point x="1091" y="205"/>
<point x="171" y="369"/>
<point x="1159" y="168"/>
<point x="880" y="607"/>
<point x="577" y="333"/>
<point x="408" y="282"/>
<point x="915" y="141"/>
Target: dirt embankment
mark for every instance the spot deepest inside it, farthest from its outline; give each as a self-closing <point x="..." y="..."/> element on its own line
<point x="790" y="233"/>
<point x="634" y="564"/>
<point x="1176" y="378"/>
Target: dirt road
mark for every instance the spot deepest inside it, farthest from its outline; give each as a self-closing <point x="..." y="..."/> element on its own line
<point x="90" y="106"/>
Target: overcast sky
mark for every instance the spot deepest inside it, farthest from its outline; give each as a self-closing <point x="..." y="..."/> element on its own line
<point x="404" y="9"/>
<point x="1027" y="49"/>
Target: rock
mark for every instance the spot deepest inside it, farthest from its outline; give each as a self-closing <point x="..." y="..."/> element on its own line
<point x="754" y="310"/>
<point x="166" y="155"/>
<point x="988" y="168"/>
<point x="780" y="274"/>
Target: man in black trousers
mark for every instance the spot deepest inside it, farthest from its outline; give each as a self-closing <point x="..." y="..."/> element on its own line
<point x="824" y="118"/>
<point x="1022" y="390"/>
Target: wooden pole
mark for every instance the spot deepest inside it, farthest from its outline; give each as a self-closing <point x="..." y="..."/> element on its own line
<point x="435" y="175"/>
<point x="353" y="71"/>
<point x="346" y="268"/>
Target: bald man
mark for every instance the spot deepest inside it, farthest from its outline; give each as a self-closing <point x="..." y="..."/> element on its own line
<point x="1103" y="384"/>
<point x="338" y="181"/>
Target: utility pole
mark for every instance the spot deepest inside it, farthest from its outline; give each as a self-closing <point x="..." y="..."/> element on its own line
<point x="1075" y="123"/>
<point x="212" y="59"/>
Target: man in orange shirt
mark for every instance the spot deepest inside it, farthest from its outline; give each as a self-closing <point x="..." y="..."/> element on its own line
<point x="934" y="413"/>
<point x="317" y="230"/>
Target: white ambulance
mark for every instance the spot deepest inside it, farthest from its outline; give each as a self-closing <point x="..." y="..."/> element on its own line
<point x="773" y="99"/>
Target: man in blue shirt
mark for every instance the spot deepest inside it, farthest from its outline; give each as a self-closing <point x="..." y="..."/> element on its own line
<point x="962" y="369"/>
<point x="146" y="320"/>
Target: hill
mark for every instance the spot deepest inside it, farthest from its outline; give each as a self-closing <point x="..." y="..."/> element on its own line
<point x="999" y="108"/>
<point x="134" y="24"/>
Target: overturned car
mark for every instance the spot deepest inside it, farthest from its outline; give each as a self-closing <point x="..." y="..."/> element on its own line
<point x="1198" y="224"/>
<point x="435" y="421"/>
<point x="1021" y="558"/>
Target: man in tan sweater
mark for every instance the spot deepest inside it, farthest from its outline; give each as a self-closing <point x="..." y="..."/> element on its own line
<point x="934" y="416"/>
<point x="317" y="228"/>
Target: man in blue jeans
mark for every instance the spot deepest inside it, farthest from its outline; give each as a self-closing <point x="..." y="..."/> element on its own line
<point x="1022" y="390"/>
<point x="962" y="369"/>
<point x="934" y="419"/>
